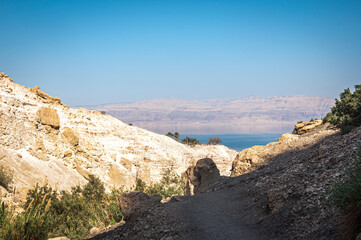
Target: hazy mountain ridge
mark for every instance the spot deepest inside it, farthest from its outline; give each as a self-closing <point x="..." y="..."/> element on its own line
<point x="266" y="113"/>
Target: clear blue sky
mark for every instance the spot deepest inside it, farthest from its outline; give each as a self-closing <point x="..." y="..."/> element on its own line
<point x="91" y="52"/>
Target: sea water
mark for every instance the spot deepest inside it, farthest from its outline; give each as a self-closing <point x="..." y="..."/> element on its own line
<point x="237" y="142"/>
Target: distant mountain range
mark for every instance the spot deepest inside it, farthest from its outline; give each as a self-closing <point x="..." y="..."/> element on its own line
<point x="241" y="115"/>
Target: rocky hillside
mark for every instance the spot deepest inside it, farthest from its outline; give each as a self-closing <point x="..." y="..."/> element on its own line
<point x="244" y="115"/>
<point x="280" y="192"/>
<point x="42" y="140"/>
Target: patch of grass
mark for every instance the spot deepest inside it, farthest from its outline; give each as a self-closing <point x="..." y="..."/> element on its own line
<point x="32" y="224"/>
<point x="170" y="184"/>
<point x="346" y="197"/>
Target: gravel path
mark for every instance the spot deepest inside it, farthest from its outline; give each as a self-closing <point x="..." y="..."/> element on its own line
<point x="216" y="215"/>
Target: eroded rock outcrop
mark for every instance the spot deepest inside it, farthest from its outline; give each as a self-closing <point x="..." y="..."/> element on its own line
<point x="48" y="116"/>
<point x="305" y="127"/>
<point x="201" y="176"/>
<point x="70" y="137"/>
<point x="3" y="75"/>
<point x="44" y="95"/>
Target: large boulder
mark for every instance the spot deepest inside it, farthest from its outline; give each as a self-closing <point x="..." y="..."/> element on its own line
<point x="70" y="137"/>
<point x="49" y="116"/>
<point x="201" y="176"/>
<point x="135" y="202"/>
<point x="305" y="127"/>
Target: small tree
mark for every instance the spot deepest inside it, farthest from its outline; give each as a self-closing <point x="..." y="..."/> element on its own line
<point x="346" y="114"/>
<point x="214" y="141"/>
<point x="190" y="141"/>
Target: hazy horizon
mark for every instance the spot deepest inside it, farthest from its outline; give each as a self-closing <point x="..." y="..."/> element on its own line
<point x="276" y="114"/>
<point x="192" y="99"/>
<point x="96" y="52"/>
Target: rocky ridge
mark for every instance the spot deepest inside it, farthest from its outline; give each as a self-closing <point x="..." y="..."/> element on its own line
<point x="44" y="141"/>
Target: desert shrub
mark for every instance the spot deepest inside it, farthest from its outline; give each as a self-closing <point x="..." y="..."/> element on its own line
<point x="6" y="177"/>
<point x="174" y="136"/>
<point x="214" y="141"/>
<point x="346" y="196"/>
<point x="170" y="184"/>
<point x="346" y="114"/>
<point x="190" y="141"/>
<point x="74" y="213"/>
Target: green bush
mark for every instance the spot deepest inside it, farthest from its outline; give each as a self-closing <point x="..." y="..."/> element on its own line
<point x="190" y="141"/>
<point x="70" y="214"/>
<point x="170" y="184"/>
<point x="6" y="177"/>
<point x="346" y="196"/>
<point x="214" y="141"/>
<point x="346" y="114"/>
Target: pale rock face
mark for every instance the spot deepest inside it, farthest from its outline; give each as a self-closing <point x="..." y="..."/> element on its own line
<point x="305" y="127"/>
<point x="61" y="146"/>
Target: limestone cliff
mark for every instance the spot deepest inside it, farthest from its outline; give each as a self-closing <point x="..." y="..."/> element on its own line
<point x="44" y="141"/>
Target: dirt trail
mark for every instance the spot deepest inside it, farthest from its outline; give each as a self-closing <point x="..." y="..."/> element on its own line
<point x="216" y="215"/>
<point x="223" y="214"/>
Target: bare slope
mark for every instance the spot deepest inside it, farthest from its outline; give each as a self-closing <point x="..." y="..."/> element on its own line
<point x="243" y="115"/>
<point x="44" y="141"/>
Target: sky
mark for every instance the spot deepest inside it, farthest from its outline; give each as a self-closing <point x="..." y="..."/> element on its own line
<point x="96" y="52"/>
